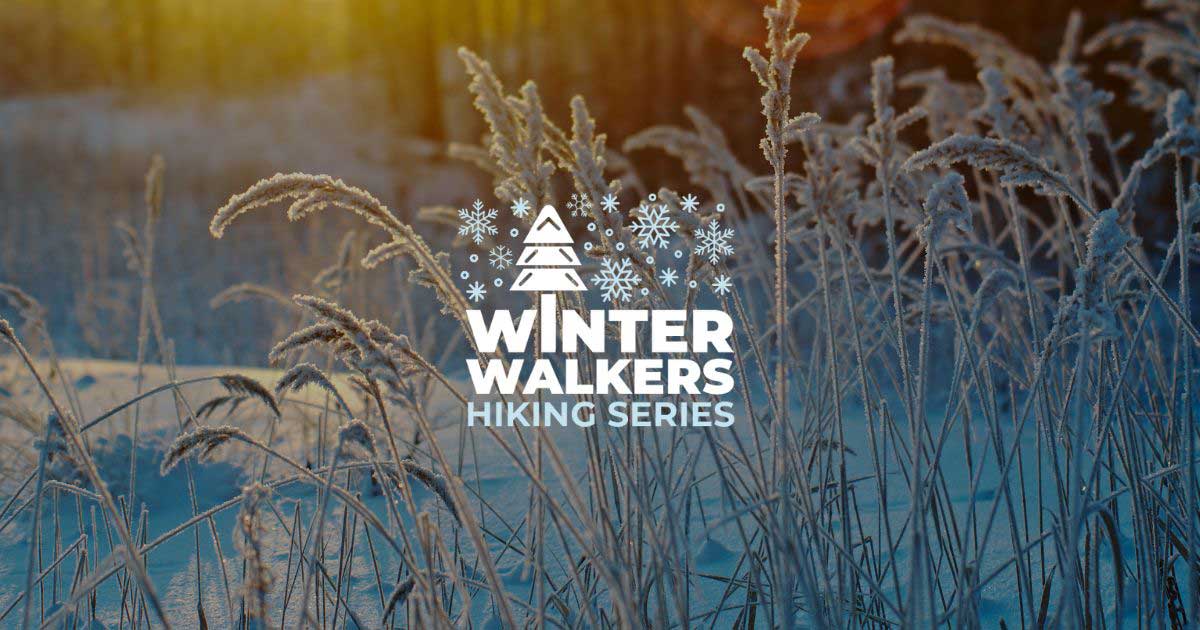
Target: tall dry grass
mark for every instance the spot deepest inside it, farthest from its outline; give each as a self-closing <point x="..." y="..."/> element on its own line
<point x="966" y="384"/>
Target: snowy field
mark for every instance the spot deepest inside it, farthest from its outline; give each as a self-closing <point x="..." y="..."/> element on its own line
<point x="495" y="482"/>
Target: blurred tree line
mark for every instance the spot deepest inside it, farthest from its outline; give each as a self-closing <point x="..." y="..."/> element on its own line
<point x="637" y="61"/>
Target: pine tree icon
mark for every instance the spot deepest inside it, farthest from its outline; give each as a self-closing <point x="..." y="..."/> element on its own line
<point x="548" y="256"/>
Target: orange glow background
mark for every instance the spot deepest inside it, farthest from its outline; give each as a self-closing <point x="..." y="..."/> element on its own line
<point x="835" y="25"/>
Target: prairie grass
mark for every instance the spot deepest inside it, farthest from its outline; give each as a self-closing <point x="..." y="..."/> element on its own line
<point x="965" y="384"/>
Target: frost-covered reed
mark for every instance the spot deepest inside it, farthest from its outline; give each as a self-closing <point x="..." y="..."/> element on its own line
<point x="965" y="381"/>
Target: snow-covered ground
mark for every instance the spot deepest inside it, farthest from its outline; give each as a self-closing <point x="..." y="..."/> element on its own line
<point x="486" y="469"/>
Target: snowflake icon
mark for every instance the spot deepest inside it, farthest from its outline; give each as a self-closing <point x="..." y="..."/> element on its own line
<point x="653" y="227"/>
<point x="616" y="280"/>
<point x="714" y="242"/>
<point x="690" y="203"/>
<point x="579" y="205"/>
<point x="520" y="208"/>
<point x="475" y="291"/>
<point x="500" y="257"/>
<point x="477" y="222"/>
<point x="610" y="203"/>
<point x="668" y="277"/>
<point x="723" y="285"/>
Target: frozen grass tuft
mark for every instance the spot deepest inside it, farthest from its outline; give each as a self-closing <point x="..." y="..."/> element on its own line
<point x="966" y="384"/>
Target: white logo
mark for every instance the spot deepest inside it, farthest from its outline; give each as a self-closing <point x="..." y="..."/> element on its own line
<point x="661" y="367"/>
<point x="548" y="256"/>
